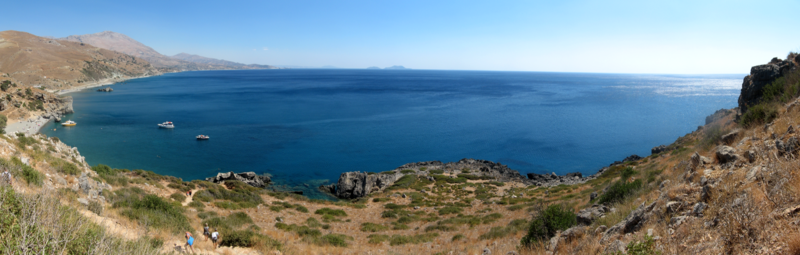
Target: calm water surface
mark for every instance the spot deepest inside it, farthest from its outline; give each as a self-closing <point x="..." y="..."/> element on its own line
<point x="305" y="127"/>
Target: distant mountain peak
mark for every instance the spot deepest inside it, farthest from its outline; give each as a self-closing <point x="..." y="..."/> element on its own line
<point x="395" y="67"/>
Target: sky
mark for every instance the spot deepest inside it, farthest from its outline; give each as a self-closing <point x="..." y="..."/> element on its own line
<point x="672" y="37"/>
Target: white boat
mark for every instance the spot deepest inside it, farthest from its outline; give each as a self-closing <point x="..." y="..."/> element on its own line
<point x="166" y="124"/>
<point x="202" y="137"/>
<point x="69" y="123"/>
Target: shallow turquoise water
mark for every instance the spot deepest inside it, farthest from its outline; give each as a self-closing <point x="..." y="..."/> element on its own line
<point x="307" y="126"/>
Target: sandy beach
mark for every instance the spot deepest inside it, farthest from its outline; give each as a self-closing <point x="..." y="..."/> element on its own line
<point x="93" y="85"/>
<point x="28" y="127"/>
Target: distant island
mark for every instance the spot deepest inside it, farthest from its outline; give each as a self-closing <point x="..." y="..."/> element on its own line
<point x="390" y="68"/>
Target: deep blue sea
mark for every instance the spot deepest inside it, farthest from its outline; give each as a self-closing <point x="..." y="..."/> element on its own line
<point x="307" y="126"/>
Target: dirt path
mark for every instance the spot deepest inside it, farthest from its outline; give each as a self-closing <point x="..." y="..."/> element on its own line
<point x="112" y="225"/>
<point x="189" y="198"/>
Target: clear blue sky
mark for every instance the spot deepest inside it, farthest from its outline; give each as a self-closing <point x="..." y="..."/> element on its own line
<point x="679" y="37"/>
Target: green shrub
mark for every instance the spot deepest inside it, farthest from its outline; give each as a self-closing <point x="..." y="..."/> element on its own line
<point x="415" y="239"/>
<point x="376" y="239"/>
<point x="65" y="167"/>
<point x="628" y="172"/>
<point x="337" y="240"/>
<point x="545" y="224"/>
<point x="499" y="232"/>
<point x="300" y="208"/>
<point x="645" y="247"/>
<point x="439" y="228"/>
<point x="332" y="212"/>
<point x="381" y="199"/>
<point x="436" y="171"/>
<point x="95" y="207"/>
<point x="449" y="210"/>
<point x="206" y="215"/>
<point x="619" y="191"/>
<point x="389" y="214"/>
<point x="32" y="176"/>
<point x="393" y="206"/>
<point x="151" y="210"/>
<point x="247" y="238"/>
<point x="102" y="169"/>
<point x="178" y="196"/>
<point x="759" y="114"/>
<point x="458" y="237"/>
<point x="372" y="227"/>
<point x="407" y="171"/>
<point x="3" y="123"/>
<point x="197" y="204"/>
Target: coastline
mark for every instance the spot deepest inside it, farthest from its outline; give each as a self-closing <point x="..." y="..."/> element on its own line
<point x="35" y="123"/>
<point x="99" y="83"/>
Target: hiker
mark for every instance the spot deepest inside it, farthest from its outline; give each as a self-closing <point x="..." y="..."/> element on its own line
<point x="189" y="241"/>
<point x="6" y="178"/>
<point x="205" y="232"/>
<point x="215" y="237"/>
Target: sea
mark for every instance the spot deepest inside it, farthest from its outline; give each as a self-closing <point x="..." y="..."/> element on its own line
<point x="305" y="127"/>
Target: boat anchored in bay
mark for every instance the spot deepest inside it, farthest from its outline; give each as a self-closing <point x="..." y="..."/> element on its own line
<point x="202" y="137"/>
<point x="69" y="123"/>
<point x="166" y="124"/>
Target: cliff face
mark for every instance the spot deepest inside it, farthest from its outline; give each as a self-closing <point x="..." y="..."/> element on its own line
<point x="30" y="60"/>
<point x="761" y="76"/>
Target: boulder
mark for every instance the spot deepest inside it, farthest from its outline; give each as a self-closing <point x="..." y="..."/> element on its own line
<point x="250" y="178"/>
<point x="658" y="149"/>
<point x="753" y="174"/>
<point x="726" y="154"/>
<point x="359" y="184"/>
<point x="616" y="247"/>
<point x="750" y="155"/>
<point x="698" y="209"/>
<point x="592" y="196"/>
<point x="589" y="215"/>
<point x="632" y="222"/>
<point x="729" y="138"/>
<point x="673" y="206"/>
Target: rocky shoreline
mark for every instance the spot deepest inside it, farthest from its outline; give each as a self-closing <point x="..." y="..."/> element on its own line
<point x="357" y="184"/>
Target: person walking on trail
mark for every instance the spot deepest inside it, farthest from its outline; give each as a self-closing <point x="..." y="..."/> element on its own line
<point x="215" y="238"/>
<point x="5" y="177"/>
<point x="206" y="234"/>
<point x="189" y="241"/>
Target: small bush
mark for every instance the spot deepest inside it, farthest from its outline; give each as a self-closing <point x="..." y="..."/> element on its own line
<point x="449" y="210"/>
<point x="337" y="240"/>
<point x="645" y="247"/>
<point x="372" y="227"/>
<point x="407" y="171"/>
<point x="332" y="212"/>
<point x="439" y="228"/>
<point x="376" y="239"/>
<point x="102" y="169"/>
<point x="178" y="196"/>
<point x="415" y="239"/>
<point x="619" y="191"/>
<point x="545" y="224"/>
<point x="381" y="199"/>
<point x="458" y="237"/>
<point x="95" y="207"/>
<point x="300" y="208"/>
<point x="759" y="114"/>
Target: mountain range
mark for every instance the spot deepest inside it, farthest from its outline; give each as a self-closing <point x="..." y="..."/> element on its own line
<point x="181" y="62"/>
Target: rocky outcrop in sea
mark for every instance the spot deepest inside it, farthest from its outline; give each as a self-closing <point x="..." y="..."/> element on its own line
<point x="251" y="178"/>
<point x="359" y="184"/>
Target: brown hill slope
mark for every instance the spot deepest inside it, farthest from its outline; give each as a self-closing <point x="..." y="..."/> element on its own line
<point x="30" y="60"/>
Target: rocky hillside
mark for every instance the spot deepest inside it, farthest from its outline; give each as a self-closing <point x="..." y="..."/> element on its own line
<point x="124" y="44"/>
<point x="29" y="60"/>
